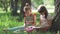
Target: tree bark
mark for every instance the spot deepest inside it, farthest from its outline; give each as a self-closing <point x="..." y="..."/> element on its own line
<point x="56" y="21"/>
<point x="23" y="2"/>
<point x="5" y="5"/>
<point x="14" y="7"/>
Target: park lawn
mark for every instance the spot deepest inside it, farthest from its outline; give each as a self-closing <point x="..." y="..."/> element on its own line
<point x="8" y="21"/>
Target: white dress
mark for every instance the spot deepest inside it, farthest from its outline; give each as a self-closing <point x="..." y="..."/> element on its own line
<point x="44" y="21"/>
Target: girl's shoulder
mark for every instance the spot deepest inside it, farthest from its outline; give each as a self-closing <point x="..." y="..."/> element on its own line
<point x="33" y="14"/>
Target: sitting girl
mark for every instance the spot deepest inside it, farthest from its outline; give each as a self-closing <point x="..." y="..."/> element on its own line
<point x="29" y="18"/>
<point x="45" y="19"/>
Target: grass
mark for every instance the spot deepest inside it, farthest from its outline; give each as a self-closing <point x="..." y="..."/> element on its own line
<point x="8" y="21"/>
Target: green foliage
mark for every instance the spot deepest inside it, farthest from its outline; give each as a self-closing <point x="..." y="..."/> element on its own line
<point x="48" y="2"/>
<point x="36" y="3"/>
<point x="52" y="2"/>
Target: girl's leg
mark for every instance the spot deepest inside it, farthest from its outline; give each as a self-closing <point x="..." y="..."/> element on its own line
<point x="20" y="30"/>
<point x="16" y="28"/>
<point x="12" y="29"/>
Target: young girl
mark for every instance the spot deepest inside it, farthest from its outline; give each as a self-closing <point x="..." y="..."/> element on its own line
<point x="45" y="19"/>
<point x="29" y="18"/>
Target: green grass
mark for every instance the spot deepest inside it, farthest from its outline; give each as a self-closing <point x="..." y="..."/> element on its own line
<point x="8" y="21"/>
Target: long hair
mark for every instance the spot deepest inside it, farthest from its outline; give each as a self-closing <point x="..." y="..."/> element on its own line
<point x="43" y="9"/>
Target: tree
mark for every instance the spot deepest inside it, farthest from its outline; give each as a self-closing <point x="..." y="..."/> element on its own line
<point x="14" y="7"/>
<point x="23" y="2"/>
<point x="56" y="21"/>
<point x="4" y="4"/>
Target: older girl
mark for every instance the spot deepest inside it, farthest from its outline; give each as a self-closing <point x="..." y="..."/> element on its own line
<point x="45" y="19"/>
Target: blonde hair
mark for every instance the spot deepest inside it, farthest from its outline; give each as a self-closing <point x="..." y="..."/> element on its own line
<point x="27" y="7"/>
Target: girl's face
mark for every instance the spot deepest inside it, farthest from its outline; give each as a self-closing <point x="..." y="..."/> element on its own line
<point x="28" y="12"/>
<point x="42" y="13"/>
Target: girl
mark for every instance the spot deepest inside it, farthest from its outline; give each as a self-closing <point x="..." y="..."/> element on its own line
<point x="45" y="19"/>
<point x="29" y="18"/>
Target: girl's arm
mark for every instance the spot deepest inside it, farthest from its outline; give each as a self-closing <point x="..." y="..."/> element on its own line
<point x="49" y="19"/>
<point x="34" y="19"/>
<point x="49" y="22"/>
<point x="24" y="21"/>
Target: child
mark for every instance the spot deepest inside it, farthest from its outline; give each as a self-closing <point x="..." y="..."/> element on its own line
<point x="45" y="19"/>
<point x="29" y="18"/>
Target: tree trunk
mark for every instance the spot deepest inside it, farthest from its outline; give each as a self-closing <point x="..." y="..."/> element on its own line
<point x="5" y="5"/>
<point x="23" y="2"/>
<point x="14" y="7"/>
<point x="56" y="21"/>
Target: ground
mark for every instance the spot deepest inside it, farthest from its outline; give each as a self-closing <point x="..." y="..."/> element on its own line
<point x="8" y="21"/>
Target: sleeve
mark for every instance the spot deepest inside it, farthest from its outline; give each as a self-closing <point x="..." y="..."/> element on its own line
<point x="24" y="8"/>
<point x="34" y="15"/>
